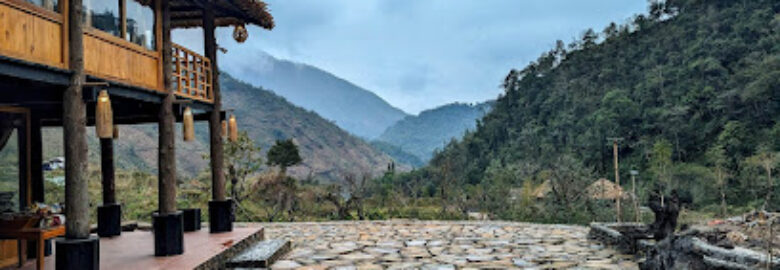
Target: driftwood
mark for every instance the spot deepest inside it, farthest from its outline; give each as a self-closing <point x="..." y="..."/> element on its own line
<point x="665" y="215"/>
<point x="687" y="251"/>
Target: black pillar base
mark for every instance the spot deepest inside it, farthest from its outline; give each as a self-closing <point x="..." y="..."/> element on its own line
<point x="191" y="219"/>
<point x="78" y="254"/>
<point x="221" y="216"/>
<point x="109" y="220"/>
<point x="168" y="234"/>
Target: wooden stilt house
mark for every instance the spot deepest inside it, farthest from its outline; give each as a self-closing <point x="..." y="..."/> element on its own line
<point x="57" y="56"/>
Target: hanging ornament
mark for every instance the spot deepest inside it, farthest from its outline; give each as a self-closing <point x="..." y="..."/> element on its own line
<point x="104" y="116"/>
<point x="188" y="125"/>
<point x="240" y="34"/>
<point x="116" y="132"/>
<point x="233" y="129"/>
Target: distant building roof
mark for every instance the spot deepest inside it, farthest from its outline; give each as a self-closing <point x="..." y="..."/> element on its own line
<point x="604" y="189"/>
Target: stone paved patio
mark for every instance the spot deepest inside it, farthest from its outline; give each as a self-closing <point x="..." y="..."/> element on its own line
<point x="442" y="245"/>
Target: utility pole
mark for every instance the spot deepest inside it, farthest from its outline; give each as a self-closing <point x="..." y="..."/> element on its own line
<point x="633" y="195"/>
<point x="617" y="175"/>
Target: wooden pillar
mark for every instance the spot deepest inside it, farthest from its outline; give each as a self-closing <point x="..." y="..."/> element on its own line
<point x="74" y="131"/>
<point x="215" y="123"/>
<point x="166" y="153"/>
<point x="36" y="159"/>
<point x="107" y="170"/>
<point x="25" y="187"/>
<point x="617" y="179"/>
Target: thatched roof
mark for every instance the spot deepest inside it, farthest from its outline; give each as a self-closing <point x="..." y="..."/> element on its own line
<point x="542" y="189"/>
<point x="189" y="13"/>
<point x="604" y="189"/>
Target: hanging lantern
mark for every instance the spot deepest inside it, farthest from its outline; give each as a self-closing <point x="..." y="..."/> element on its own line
<point x="116" y="132"/>
<point x="233" y="129"/>
<point x="104" y="117"/>
<point x="187" y="125"/>
<point x="224" y="128"/>
<point x="240" y="34"/>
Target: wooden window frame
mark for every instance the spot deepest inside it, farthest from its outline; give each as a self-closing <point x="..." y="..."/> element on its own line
<point x="122" y="40"/>
<point x="36" y="10"/>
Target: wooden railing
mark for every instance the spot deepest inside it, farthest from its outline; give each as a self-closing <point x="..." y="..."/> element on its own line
<point x="191" y="74"/>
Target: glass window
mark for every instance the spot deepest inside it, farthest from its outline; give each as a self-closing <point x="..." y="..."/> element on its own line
<point x="52" y="5"/>
<point x="140" y="25"/>
<point x="103" y="15"/>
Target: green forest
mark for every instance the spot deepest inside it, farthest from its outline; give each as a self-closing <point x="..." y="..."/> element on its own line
<point x="692" y="88"/>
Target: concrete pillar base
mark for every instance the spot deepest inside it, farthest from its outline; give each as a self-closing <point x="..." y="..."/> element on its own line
<point x="191" y="219"/>
<point x="78" y="254"/>
<point x="109" y="220"/>
<point x="221" y="216"/>
<point x="168" y="234"/>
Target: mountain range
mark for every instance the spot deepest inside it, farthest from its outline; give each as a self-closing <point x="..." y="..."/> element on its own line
<point x="421" y="135"/>
<point x="357" y="110"/>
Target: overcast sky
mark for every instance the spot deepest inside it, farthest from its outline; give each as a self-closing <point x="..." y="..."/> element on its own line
<point x="419" y="54"/>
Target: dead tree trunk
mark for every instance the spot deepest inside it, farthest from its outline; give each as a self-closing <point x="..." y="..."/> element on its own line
<point x="167" y="156"/>
<point x="215" y="126"/>
<point x="74" y="132"/>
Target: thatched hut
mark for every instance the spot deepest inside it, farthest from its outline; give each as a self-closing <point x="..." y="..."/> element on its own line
<point x="604" y="189"/>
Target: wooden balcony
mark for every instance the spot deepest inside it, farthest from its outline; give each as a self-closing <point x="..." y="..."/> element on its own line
<point x="191" y="74"/>
<point x="39" y="36"/>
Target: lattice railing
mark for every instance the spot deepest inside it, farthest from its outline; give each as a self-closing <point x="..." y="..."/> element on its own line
<point x="191" y="74"/>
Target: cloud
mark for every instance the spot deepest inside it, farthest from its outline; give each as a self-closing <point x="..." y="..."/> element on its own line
<point x="419" y="54"/>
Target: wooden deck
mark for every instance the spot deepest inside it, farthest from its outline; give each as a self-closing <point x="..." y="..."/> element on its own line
<point x="202" y="250"/>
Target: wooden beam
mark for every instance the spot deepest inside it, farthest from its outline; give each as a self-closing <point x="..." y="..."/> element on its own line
<point x="36" y="158"/>
<point x="123" y="18"/>
<point x="74" y="131"/>
<point x="166" y="154"/>
<point x="107" y="170"/>
<point x="215" y="124"/>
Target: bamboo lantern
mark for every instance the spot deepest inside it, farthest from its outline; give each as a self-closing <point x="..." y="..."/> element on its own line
<point x="104" y="116"/>
<point x="240" y="34"/>
<point x="187" y="125"/>
<point x="116" y="132"/>
<point x="224" y="128"/>
<point x="233" y="129"/>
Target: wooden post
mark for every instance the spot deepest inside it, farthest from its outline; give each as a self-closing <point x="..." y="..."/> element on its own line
<point x="107" y="170"/>
<point x="166" y="153"/>
<point x="215" y="136"/>
<point x="634" y="197"/>
<point x="25" y="187"/>
<point x="36" y="159"/>
<point x="74" y="131"/>
<point x="617" y="178"/>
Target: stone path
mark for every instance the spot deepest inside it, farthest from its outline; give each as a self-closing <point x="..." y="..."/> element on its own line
<point x="441" y="245"/>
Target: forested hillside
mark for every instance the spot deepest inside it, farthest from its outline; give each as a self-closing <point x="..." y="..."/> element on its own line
<point x="432" y="129"/>
<point x="692" y="88"/>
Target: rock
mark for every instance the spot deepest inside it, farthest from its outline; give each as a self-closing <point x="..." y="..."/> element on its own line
<point x="285" y="264"/>
<point x="522" y="263"/>
<point x="480" y="258"/>
<point x="438" y="267"/>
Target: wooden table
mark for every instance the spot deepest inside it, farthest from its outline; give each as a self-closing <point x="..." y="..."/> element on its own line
<point x="37" y="234"/>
